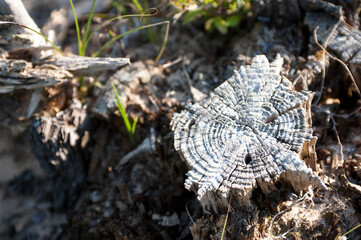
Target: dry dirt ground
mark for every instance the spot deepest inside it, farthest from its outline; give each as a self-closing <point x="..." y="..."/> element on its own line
<point x="143" y="197"/>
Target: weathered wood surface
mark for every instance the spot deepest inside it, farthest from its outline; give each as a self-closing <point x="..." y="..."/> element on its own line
<point x="86" y="66"/>
<point x="323" y="6"/>
<point x="16" y="43"/>
<point x="248" y="133"/>
<point x="340" y="38"/>
<point x="20" y="74"/>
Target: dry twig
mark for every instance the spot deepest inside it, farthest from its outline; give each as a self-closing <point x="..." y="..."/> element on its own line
<point x="336" y="59"/>
<point x="323" y="79"/>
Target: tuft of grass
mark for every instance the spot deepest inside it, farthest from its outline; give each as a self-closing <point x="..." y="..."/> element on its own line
<point x="81" y="40"/>
<point x="130" y="127"/>
<point x="84" y="40"/>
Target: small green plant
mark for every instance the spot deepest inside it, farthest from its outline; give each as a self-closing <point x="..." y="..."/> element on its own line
<point x="130" y="127"/>
<point x="217" y="14"/>
<point x="84" y="40"/>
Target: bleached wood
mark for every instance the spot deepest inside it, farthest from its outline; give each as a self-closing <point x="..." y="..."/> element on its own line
<point x="20" y="74"/>
<point x="86" y="66"/>
<point x="247" y="133"/>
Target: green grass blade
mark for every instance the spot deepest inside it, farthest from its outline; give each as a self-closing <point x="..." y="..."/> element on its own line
<point x="122" y="111"/>
<point x="81" y="81"/>
<point x="134" y="125"/>
<point x="225" y="221"/>
<point x="353" y="229"/>
<point x="137" y="5"/>
<point x="164" y="43"/>
<point x="147" y="21"/>
<point x="125" y="117"/>
<point x="87" y="28"/>
<point x="128" y="32"/>
<point x="39" y="33"/>
<point x="115" y="18"/>
<point x="77" y="27"/>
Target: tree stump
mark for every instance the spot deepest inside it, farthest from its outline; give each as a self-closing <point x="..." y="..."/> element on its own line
<point x="247" y="134"/>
